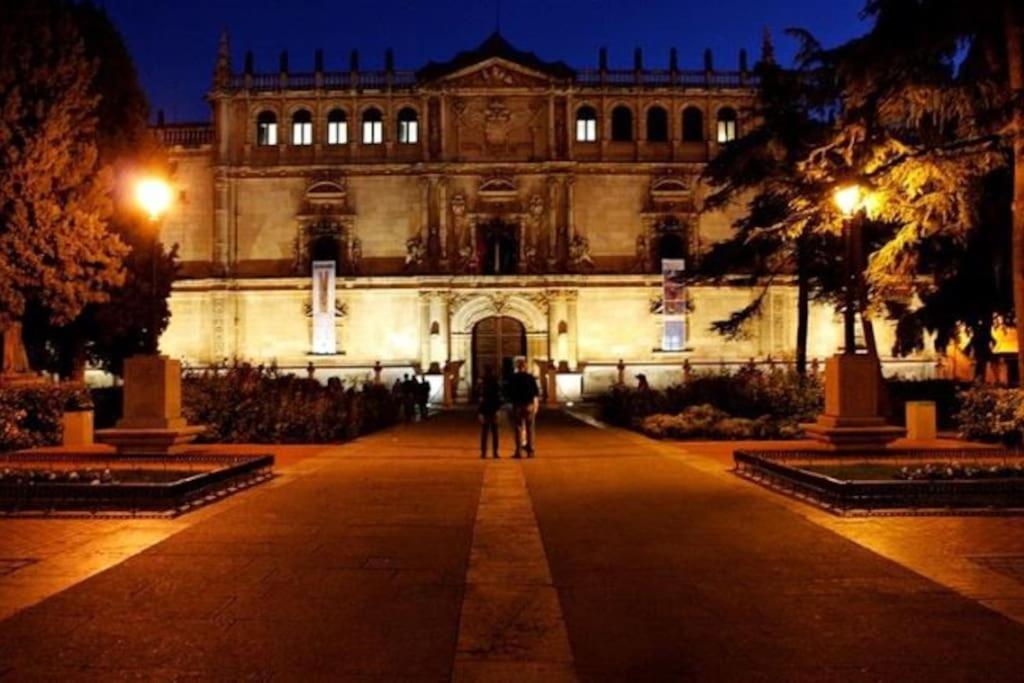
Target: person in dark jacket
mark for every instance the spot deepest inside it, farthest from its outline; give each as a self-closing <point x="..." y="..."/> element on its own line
<point x="523" y="393"/>
<point x="490" y="404"/>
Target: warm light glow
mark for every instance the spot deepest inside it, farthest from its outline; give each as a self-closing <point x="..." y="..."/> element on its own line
<point x="153" y="195"/>
<point x="848" y="199"/>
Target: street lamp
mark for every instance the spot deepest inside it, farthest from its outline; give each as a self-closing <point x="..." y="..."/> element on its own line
<point x="153" y="195"/>
<point x="850" y="199"/>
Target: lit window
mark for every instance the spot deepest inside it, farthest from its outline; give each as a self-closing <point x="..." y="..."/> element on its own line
<point x="266" y="129"/>
<point x="373" y="127"/>
<point x="337" y="128"/>
<point x="586" y="124"/>
<point x="302" y="128"/>
<point x="622" y="124"/>
<point x="674" y="336"/>
<point x="726" y="125"/>
<point x="408" y="127"/>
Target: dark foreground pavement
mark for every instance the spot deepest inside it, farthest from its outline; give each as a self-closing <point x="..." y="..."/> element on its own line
<point x="358" y="570"/>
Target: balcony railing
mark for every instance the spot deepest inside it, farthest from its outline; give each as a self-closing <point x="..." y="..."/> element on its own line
<point x="185" y="135"/>
<point x="381" y="80"/>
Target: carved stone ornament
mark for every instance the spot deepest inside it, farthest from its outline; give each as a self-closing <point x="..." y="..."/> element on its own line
<point x="579" y="253"/>
<point x="415" y="252"/>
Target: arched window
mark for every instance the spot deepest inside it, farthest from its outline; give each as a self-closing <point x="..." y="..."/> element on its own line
<point x="622" y="124"/>
<point x="373" y="127"/>
<point x="302" y="128"/>
<point x="726" y="124"/>
<point x="693" y="125"/>
<point x="586" y="124"/>
<point x="657" y="124"/>
<point x="408" y="127"/>
<point x="266" y="129"/>
<point x="337" y="127"/>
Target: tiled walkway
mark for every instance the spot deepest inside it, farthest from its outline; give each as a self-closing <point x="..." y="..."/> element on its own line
<point x="404" y="557"/>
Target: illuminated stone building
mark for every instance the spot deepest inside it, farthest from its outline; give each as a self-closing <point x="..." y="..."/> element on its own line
<point x="474" y="210"/>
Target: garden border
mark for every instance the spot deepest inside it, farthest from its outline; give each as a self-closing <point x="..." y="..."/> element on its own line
<point x="860" y="497"/>
<point x="164" y="499"/>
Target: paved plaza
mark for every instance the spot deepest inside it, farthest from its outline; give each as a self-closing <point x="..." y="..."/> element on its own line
<point x="403" y="556"/>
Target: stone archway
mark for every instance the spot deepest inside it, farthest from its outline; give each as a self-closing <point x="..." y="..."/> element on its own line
<point x="497" y="341"/>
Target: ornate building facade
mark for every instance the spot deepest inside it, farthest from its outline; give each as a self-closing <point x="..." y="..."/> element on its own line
<point x="491" y="206"/>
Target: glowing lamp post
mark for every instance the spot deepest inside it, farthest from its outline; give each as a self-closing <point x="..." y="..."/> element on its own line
<point x="853" y="382"/>
<point x="153" y="195"/>
<point x="849" y="199"/>
<point x="151" y="421"/>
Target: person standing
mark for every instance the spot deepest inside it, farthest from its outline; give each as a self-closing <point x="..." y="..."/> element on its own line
<point x="408" y="398"/>
<point x="523" y="393"/>
<point x="423" y="397"/>
<point x="487" y="411"/>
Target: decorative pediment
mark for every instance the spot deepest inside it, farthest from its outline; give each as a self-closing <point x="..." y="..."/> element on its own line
<point x="497" y="189"/>
<point x="670" y="193"/>
<point x="495" y="63"/>
<point x="496" y="73"/>
<point x="324" y="195"/>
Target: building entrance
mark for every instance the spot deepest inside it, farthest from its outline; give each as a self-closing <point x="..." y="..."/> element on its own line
<point x="497" y="341"/>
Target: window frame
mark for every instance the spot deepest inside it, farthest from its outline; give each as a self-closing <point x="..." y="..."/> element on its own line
<point x="699" y="124"/>
<point x="372" y="128"/>
<point x="664" y="122"/>
<point x="337" y="128"/>
<point x="266" y="129"/>
<point x="586" y="126"/>
<point x="614" y="124"/>
<point x="408" y="128"/>
<point x="302" y="128"/>
<point x="726" y="125"/>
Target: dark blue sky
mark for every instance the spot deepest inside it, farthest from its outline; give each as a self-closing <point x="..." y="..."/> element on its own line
<point x="174" y="42"/>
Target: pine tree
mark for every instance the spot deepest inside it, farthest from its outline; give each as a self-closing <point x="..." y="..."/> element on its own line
<point x="772" y="240"/>
<point x="56" y="252"/>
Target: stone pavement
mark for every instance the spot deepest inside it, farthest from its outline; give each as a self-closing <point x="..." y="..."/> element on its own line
<point x="402" y="556"/>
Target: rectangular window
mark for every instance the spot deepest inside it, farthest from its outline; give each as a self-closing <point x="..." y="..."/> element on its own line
<point x="337" y="133"/>
<point x="674" y="336"/>
<point x="726" y="131"/>
<point x="302" y="133"/>
<point x="408" y="132"/>
<point x="586" y="130"/>
<point x="373" y="132"/>
<point x="267" y="134"/>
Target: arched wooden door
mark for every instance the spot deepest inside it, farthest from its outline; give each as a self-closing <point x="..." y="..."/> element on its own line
<point x="497" y="341"/>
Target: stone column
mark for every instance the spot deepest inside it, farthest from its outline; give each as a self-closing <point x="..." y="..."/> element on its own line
<point x="442" y="218"/>
<point x="570" y="305"/>
<point x="425" y="329"/>
<point x="552" y="221"/>
<point x="425" y="211"/>
<point x="221" y="221"/>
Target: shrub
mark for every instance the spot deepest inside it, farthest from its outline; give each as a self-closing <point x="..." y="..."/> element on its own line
<point x="30" y="415"/>
<point x="242" y="403"/>
<point x="992" y="414"/>
<point x="781" y="395"/>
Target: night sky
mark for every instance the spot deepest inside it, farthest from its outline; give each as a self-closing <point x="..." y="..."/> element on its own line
<point x="174" y="42"/>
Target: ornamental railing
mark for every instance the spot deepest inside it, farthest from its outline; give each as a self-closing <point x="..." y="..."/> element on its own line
<point x="380" y="80"/>
<point x="190" y="135"/>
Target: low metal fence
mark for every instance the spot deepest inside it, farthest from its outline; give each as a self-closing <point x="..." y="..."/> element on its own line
<point x="210" y="475"/>
<point x="780" y="469"/>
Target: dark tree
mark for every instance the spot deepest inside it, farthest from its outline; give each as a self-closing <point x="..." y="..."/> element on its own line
<point x="108" y="332"/>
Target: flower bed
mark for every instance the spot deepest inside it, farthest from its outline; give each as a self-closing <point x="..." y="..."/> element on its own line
<point x="44" y="484"/>
<point x="931" y="481"/>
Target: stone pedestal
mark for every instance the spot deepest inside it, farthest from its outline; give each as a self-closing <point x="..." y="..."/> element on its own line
<point x="77" y="428"/>
<point x="851" y="420"/>
<point x="570" y="387"/>
<point x="921" y="421"/>
<point x="151" y="422"/>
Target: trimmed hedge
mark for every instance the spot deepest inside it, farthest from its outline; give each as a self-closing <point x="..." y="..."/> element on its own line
<point x="243" y="403"/>
<point x="30" y="415"/>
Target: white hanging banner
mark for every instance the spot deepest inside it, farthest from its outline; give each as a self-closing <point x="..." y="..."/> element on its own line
<point x="324" y="334"/>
